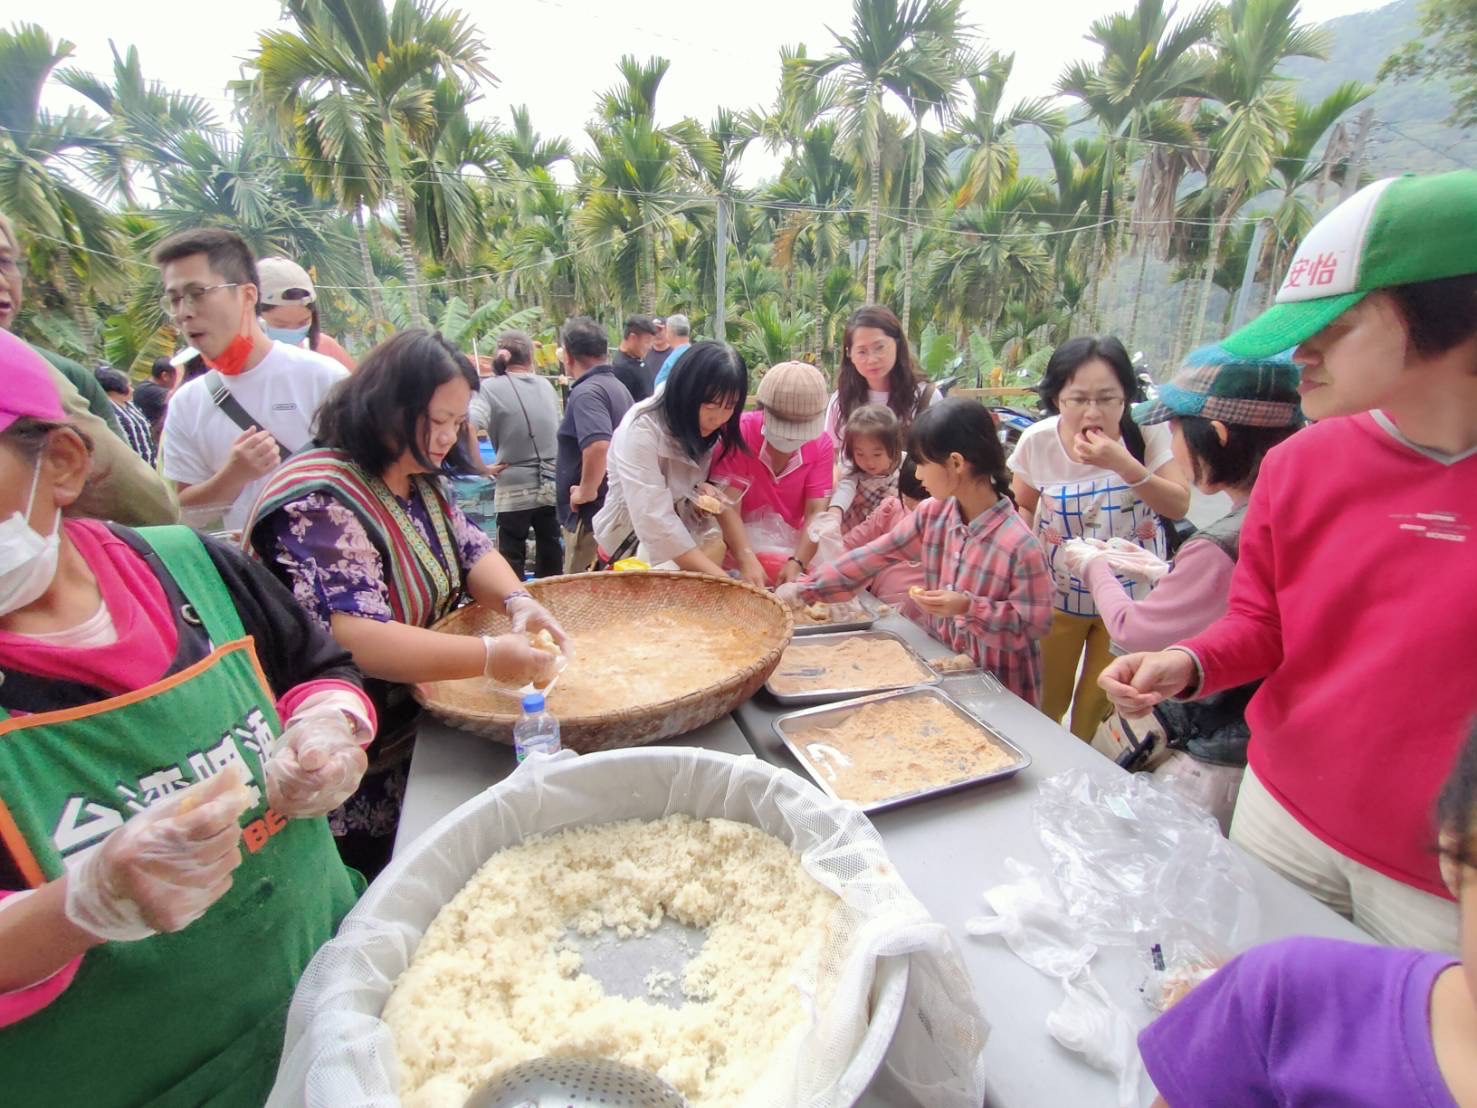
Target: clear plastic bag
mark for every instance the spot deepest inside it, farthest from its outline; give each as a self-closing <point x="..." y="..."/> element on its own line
<point x="1181" y="958"/>
<point x="1130" y="858"/>
<point x="884" y="953"/>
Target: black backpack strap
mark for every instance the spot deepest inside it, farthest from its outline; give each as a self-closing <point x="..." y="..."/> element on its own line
<point x="221" y="396"/>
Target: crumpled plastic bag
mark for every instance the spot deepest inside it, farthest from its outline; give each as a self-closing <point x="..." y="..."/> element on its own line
<point x="1130" y="857"/>
<point x="1088" y="1023"/>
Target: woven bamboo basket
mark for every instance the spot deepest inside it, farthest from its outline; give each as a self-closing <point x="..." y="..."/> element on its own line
<point x="608" y="602"/>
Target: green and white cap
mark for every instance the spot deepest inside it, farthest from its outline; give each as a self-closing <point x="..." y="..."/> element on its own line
<point x="1397" y="231"/>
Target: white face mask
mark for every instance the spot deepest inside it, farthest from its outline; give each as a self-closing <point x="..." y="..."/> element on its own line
<point x="27" y="560"/>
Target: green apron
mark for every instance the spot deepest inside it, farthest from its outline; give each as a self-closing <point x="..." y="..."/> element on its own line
<point x="195" y="1017"/>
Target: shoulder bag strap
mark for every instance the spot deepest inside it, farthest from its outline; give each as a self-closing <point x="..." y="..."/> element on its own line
<point x="232" y="409"/>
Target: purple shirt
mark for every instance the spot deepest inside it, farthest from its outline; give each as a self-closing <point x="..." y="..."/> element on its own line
<point x="1304" y="1022"/>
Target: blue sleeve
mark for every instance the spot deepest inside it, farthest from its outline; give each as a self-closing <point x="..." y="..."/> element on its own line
<point x="590" y="415"/>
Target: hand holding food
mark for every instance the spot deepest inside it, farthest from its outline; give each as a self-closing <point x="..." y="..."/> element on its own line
<point x="528" y="614"/>
<point x="1095" y="448"/>
<point x="788" y="594"/>
<point x="163" y="868"/>
<point x="941" y="603"/>
<point x="1137" y="682"/>
<point x="513" y="660"/>
<point x="316" y="764"/>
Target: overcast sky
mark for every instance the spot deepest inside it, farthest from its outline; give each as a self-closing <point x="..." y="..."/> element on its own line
<point x="558" y="55"/>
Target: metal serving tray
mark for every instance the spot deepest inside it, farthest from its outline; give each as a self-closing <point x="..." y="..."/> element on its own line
<point x="821" y="696"/>
<point x="856" y="614"/>
<point x="788" y="727"/>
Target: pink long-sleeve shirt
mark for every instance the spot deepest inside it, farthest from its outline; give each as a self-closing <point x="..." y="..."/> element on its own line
<point x="1353" y="598"/>
<point x="1187" y="599"/>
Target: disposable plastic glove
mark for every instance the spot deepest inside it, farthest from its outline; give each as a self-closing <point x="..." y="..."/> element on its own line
<point x="788" y="594"/>
<point x="528" y="614"/>
<point x="825" y="532"/>
<point x="1077" y="554"/>
<point x="165" y="866"/>
<point x="316" y="764"/>
<point x="1134" y="561"/>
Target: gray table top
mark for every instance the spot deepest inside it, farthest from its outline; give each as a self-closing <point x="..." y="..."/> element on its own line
<point x="949" y="850"/>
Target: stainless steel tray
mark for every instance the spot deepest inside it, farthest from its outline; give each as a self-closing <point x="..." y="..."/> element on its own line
<point x="786" y="726"/>
<point x="858" y="614"/>
<point x="821" y="696"/>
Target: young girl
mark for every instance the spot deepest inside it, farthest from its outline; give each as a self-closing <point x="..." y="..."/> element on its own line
<point x="1350" y="598"/>
<point x="871" y="450"/>
<point x="1088" y="471"/>
<point x="988" y="587"/>
<point x="1224" y="413"/>
<point x="891" y="585"/>
<point x="1319" y="1021"/>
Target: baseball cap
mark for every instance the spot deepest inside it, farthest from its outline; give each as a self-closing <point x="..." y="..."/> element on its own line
<point x="793" y="396"/>
<point x="29" y="391"/>
<point x="278" y="277"/>
<point x="1216" y="384"/>
<point x="1397" y="231"/>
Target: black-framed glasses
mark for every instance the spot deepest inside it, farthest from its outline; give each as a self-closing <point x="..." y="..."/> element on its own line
<point x="174" y="302"/>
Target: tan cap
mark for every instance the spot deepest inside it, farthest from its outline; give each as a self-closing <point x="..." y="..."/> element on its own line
<point x="793" y="396"/>
<point x="278" y="276"/>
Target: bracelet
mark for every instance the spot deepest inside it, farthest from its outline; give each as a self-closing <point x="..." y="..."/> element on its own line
<point x="1144" y="480"/>
<point x="486" y="653"/>
<point x="514" y="595"/>
<point x="796" y="560"/>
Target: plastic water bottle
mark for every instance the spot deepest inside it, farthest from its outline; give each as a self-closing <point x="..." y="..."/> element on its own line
<point x="537" y="731"/>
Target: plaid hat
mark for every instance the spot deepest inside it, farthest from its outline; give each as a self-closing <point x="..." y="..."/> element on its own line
<point x="1394" y="232"/>
<point x="1216" y="384"/>
<point x="280" y="276"/>
<point x="794" y="397"/>
<point x="29" y="391"/>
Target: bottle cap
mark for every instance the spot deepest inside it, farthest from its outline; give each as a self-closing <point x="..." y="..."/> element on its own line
<point x="533" y="702"/>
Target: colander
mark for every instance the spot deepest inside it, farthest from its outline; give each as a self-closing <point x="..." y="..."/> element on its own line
<point x="576" y="1083"/>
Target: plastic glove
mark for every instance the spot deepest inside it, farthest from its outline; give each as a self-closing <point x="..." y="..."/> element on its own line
<point x="825" y="532"/>
<point x="1075" y="555"/>
<point x="316" y="764"/>
<point x="163" y="868"/>
<point x="528" y="614"/>
<point x="512" y="661"/>
<point x="1033" y="920"/>
<point x="789" y="594"/>
<point x="1089" y="1023"/>
<point x="1134" y="561"/>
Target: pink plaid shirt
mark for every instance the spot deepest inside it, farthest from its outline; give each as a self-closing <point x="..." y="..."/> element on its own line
<point x="995" y="561"/>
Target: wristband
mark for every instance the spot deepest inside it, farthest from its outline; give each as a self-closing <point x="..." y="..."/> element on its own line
<point x="796" y="560"/>
<point x="514" y="595"/>
<point x="1144" y="480"/>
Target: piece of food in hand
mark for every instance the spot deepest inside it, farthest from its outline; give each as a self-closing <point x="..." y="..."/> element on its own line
<point x="917" y="590"/>
<point x="708" y="503"/>
<point x="544" y="640"/>
<point x="199" y="793"/>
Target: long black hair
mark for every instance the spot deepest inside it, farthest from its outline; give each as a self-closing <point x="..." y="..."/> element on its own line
<point x="1070" y="356"/>
<point x="377" y="414"/>
<point x="708" y="373"/>
<point x="902" y="382"/>
<point x="958" y="426"/>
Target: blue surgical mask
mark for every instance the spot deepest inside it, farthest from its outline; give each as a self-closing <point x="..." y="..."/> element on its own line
<point x="290" y="335"/>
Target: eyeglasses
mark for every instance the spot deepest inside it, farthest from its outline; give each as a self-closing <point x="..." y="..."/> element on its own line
<point x="173" y="302"/>
<point x="876" y="350"/>
<point x="1079" y="403"/>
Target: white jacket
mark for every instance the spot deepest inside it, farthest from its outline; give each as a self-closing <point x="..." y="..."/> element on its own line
<point x="650" y="476"/>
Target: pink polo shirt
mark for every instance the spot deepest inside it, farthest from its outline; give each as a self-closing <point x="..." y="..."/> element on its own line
<point x="809" y="476"/>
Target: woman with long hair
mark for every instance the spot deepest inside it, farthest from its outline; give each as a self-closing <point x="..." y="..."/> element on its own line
<point x="877" y="368"/>
<point x="1089" y="472"/>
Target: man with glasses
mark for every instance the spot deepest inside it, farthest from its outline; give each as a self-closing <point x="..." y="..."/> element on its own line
<point x="122" y="487"/>
<point x="226" y="431"/>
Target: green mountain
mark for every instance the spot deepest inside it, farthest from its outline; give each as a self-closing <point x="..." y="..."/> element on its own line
<point x="1409" y="134"/>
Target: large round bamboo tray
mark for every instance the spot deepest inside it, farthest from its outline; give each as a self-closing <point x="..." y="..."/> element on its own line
<point x="607" y="602"/>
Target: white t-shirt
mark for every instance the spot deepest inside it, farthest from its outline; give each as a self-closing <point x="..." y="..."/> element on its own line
<point x="282" y="394"/>
<point x="1083" y="501"/>
<point x="837" y="429"/>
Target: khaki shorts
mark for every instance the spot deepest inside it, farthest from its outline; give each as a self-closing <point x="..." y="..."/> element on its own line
<point x="579" y="549"/>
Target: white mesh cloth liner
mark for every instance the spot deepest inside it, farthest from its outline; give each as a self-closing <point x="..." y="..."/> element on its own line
<point x="338" y="1052"/>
